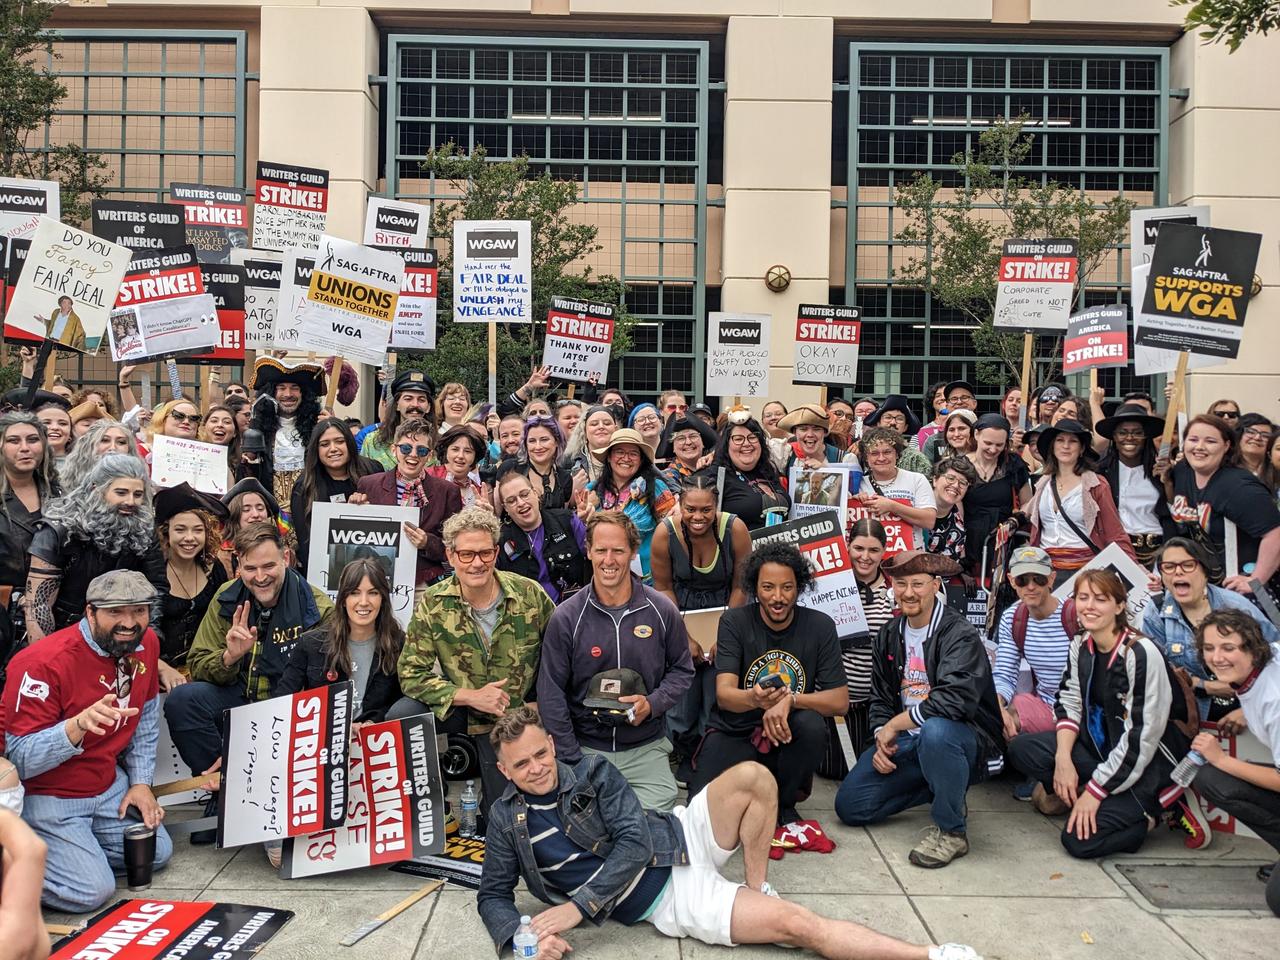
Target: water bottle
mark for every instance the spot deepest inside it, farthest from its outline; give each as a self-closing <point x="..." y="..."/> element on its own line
<point x="1186" y="771"/>
<point x="470" y="808"/>
<point x="525" y="942"/>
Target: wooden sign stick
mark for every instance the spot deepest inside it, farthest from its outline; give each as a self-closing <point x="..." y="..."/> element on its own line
<point x="1028" y="342"/>
<point x="190" y="783"/>
<point x="822" y="396"/>
<point x="334" y="377"/>
<point x="493" y="362"/>
<point x="1171" y="415"/>
<point x="362" y="931"/>
<point x="572" y="387"/>
<point x="206" y="389"/>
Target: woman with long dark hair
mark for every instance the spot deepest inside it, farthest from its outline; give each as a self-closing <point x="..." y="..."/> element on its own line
<point x="329" y="474"/>
<point x="629" y="484"/>
<point x="1130" y="467"/>
<point x="28" y="481"/>
<point x="189" y="531"/>
<point x="867" y="541"/>
<point x="752" y="488"/>
<point x="1003" y="485"/>
<point x="1253" y="434"/>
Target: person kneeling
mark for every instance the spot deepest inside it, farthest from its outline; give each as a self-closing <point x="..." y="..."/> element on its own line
<point x="663" y="868"/>
<point x="84" y="757"/>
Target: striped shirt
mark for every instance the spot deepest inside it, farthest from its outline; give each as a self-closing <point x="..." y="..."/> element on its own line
<point x="1045" y="650"/>
<point x="857" y="657"/>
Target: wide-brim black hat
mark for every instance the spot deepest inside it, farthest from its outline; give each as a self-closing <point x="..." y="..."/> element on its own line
<point x="1130" y="411"/>
<point x="269" y="371"/>
<point x="895" y="401"/>
<point x="172" y="501"/>
<point x="1044" y="442"/>
<point x="253" y="485"/>
<point x="17" y="397"/>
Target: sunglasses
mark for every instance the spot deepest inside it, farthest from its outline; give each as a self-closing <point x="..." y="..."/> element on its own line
<point x="408" y="450"/>
<point x="1229" y="414"/>
<point x="469" y="556"/>
<point x="180" y="417"/>
<point x="1024" y="579"/>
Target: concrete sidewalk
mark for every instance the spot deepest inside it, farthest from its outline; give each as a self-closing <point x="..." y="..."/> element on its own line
<point x="1016" y="896"/>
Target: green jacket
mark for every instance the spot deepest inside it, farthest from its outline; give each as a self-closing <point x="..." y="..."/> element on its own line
<point x="442" y="631"/>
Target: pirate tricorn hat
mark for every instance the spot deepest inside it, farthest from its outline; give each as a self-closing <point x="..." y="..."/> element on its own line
<point x="269" y="371"/>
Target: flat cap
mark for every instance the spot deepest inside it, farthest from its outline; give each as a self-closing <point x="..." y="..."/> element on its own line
<point x="119" y="588"/>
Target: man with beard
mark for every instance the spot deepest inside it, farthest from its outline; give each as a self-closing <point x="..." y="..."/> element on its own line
<point x="104" y="523"/>
<point x="286" y="411"/>
<point x="412" y="397"/>
<point x="81" y="722"/>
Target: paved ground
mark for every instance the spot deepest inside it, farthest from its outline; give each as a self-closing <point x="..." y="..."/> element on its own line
<point x="1017" y="896"/>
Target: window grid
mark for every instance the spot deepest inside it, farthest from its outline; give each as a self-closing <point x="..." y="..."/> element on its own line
<point x="625" y="120"/>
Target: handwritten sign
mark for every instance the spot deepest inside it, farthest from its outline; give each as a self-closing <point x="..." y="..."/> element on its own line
<point x="1144" y="227"/>
<point x="261" y="297"/>
<point x="1131" y="573"/>
<point x="1035" y="284"/>
<point x="176" y="460"/>
<point x="351" y="301"/>
<point x="190" y="929"/>
<point x="341" y="532"/>
<point x="284" y="766"/>
<point x="738" y="354"/>
<point x="1097" y="337"/>
<point x="291" y="206"/>
<point x="393" y="223"/>
<point x="579" y="338"/>
<point x="23" y="203"/>
<point x="492" y="271"/>
<point x="295" y="281"/>
<point x="827" y="341"/>
<point x="216" y="218"/>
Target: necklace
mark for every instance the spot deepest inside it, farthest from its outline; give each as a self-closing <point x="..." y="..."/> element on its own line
<point x="984" y="473"/>
<point x="181" y="583"/>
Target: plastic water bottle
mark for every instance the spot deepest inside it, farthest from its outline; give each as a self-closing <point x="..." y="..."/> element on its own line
<point x="470" y="808"/>
<point x="525" y="942"/>
<point x="1186" y="771"/>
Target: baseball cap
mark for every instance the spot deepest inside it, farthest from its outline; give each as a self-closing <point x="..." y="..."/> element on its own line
<point x="608" y="687"/>
<point x="1030" y="560"/>
<point x="119" y="588"/>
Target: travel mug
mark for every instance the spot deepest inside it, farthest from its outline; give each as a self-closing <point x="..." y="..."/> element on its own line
<point x="139" y="855"/>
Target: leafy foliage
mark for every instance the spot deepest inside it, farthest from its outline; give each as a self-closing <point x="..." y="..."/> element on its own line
<point x="1232" y="21"/>
<point x="956" y="234"/>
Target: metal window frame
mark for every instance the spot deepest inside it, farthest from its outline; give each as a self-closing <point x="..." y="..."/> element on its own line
<point x="1159" y="171"/>
<point x="397" y="42"/>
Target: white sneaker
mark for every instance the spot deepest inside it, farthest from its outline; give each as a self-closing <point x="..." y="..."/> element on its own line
<point x="953" y="951"/>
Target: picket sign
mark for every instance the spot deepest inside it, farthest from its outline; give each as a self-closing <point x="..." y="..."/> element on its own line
<point x="334" y="376"/>
<point x="1171" y="416"/>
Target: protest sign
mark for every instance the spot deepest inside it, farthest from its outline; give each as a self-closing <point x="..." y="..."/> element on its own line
<point x="492" y="271"/>
<point x="395" y="804"/>
<point x="139" y="225"/>
<point x="15" y="252"/>
<point x="225" y="283"/>
<point x="1131" y="573"/>
<point x="579" y="338"/>
<point x="176" y="460"/>
<point x="351" y="301"/>
<point x="68" y="286"/>
<point x="261" y="295"/>
<point x="23" y="203"/>
<point x="1198" y="290"/>
<point x="162" y="309"/>
<point x="461" y="862"/>
<point x="821" y="540"/>
<point x="290" y="206"/>
<point x="284" y="766"/>
<point x="827" y="341"/>
<point x="738" y="355"/>
<point x="295" y="281"/>
<point x="393" y="223"/>
<point x="415" y="323"/>
<point x="342" y="532"/>
<point x="216" y="219"/>
<point x="1035" y="285"/>
<point x="1097" y="337"/>
<point x="1144" y="227"/>
<point x="1153" y="360"/>
<point x="818" y="489"/>
<point x="900" y="536"/>
<point x="171" y="929"/>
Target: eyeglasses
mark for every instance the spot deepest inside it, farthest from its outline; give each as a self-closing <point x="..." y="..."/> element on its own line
<point x="624" y="454"/>
<point x="520" y="497"/>
<point x="647" y="421"/>
<point x="1178" y="566"/>
<point x="470" y="556"/>
<point x="688" y="436"/>
<point x="1051" y="396"/>
<point x="882" y="453"/>
<point x="744" y="440"/>
<point x="408" y="450"/>
<point x="180" y="417"/>
<point x="1130" y="435"/>
<point x="839" y="415"/>
<point x="1258" y="433"/>
<point x="960" y="398"/>
<point x="954" y="480"/>
<point x="1024" y="579"/>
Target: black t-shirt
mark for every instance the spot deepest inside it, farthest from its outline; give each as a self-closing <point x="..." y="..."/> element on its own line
<point x="1232" y="494"/>
<point x="987" y="504"/>
<point x="749" y="499"/>
<point x="807" y="654"/>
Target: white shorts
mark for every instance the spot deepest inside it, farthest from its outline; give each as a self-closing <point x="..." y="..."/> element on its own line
<point x="698" y="902"/>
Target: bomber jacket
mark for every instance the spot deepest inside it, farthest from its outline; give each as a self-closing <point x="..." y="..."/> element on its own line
<point x="600" y="813"/>
<point x="583" y="639"/>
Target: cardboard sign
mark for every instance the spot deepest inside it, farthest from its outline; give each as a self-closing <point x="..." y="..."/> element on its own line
<point x="579" y="338"/>
<point x="1131" y="573"/>
<point x="15" y="258"/>
<point x="1036" y="284"/>
<point x="738" y="355"/>
<point x="175" y="460"/>
<point x="173" y="929"/>
<point x="261" y="295"/>
<point x="351" y="301"/>
<point x="900" y="535"/>
<point x="395" y="804"/>
<point x="492" y="271"/>
<point x="162" y="309"/>
<point x="827" y="341"/>
<point x="225" y="282"/>
<point x="414" y="327"/>
<point x="295" y="281"/>
<point x="216" y="219"/>
<point x="394" y="223"/>
<point x="1198" y="290"/>
<point x="461" y="862"/>
<point x="23" y="203"/>
<point x="68" y="286"/>
<point x="1153" y="360"/>
<point x="820" y="540"/>
<point x="290" y="206"/>
<point x="342" y="532"/>
<point x="1144" y="227"/>
<point x="284" y="766"/>
<point x="831" y="486"/>
<point x="1097" y="337"/>
<point x="139" y="225"/>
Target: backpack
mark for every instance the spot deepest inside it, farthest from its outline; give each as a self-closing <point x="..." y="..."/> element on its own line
<point x="1021" y="615"/>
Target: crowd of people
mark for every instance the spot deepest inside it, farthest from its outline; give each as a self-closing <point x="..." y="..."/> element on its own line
<point x="560" y="543"/>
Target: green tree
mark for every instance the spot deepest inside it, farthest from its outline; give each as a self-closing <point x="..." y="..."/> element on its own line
<point x="1232" y="21"/>
<point x="29" y="94"/>
<point x="504" y="190"/>
<point x="954" y="235"/>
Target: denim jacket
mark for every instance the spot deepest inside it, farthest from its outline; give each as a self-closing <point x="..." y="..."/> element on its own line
<point x="600" y="813"/>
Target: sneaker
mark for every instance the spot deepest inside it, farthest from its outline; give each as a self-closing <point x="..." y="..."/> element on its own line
<point x="1024" y="790"/>
<point x="939" y="848"/>
<point x="1186" y="815"/>
<point x="953" y="951"/>
<point x="1049" y="804"/>
<point x="1265" y="871"/>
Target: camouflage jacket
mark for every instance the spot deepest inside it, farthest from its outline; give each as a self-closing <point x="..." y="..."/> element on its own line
<point x="442" y="630"/>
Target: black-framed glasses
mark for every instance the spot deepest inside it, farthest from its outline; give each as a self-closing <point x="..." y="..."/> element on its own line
<point x="1178" y="566"/>
<point x="1025" y="579"/>
<point x="408" y="450"/>
<point x="744" y="440"/>
<point x="1130" y="435"/>
<point x="1258" y="433"/>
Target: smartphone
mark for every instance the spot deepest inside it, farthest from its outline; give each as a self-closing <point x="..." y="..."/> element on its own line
<point x="773" y="681"/>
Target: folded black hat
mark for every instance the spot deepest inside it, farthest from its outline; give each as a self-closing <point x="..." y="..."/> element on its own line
<point x="179" y="499"/>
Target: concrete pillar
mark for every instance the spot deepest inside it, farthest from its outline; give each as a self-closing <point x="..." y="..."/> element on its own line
<point x="777" y="175"/>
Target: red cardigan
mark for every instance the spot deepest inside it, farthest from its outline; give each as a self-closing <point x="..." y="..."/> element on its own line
<point x="1102" y="523"/>
<point x="443" y="501"/>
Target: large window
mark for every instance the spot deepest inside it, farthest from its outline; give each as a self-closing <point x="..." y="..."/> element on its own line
<point x="1098" y="121"/>
<point x="626" y="120"/>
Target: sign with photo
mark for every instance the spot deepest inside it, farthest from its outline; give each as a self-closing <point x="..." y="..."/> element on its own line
<point x="261" y="294"/>
<point x="342" y="532"/>
<point x="395" y="804"/>
<point x="820" y="539"/>
<point x="818" y="489"/>
<point x="1097" y="337"/>
<point x="351" y="301"/>
<point x="68" y="286"/>
<point x="225" y="282"/>
<point x="1198" y="289"/>
<point x="1144" y="227"/>
<point x="414" y="327"/>
<point x="290" y="206"/>
<point x="738" y="355"/>
<point x="394" y="223"/>
<point x="216" y="219"/>
<point x="139" y="225"/>
<point x="492" y="271"/>
<point x="295" y="281"/>
<point x="1152" y="360"/>
<point x="1132" y="574"/>
<point x="23" y="203"/>
<point x="1036" y="284"/>
<point x="162" y="309"/>
<point x="284" y="766"/>
<point x="169" y="929"/>
<point x="176" y="460"/>
<point x="827" y="341"/>
<point x="579" y="339"/>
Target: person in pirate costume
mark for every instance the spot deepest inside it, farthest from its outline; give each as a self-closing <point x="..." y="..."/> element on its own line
<point x="286" y="411"/>
<point x="28" y="481"/>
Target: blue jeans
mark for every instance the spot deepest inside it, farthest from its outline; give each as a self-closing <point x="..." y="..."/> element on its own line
<point x="194" y="711"/>
<point x="935" y="765"/>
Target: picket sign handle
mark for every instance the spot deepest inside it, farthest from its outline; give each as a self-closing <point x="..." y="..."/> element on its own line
<point x="190" y="783"/>
<point x="63" y="929"/>
<point x="1093" y="381"/>
<point x="1028" y="342"/>
<point x="572" y="387"/>
<point x="334" y="377"/>
<point x="1171" y="416"/>
<point x="175" y="382"/>
<point x="206" y="387"/>
<point x="822" y="397"/>
<point x="737" y="400"/>
<point x="409" y="901"/>
<point x="493" y="362"/>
